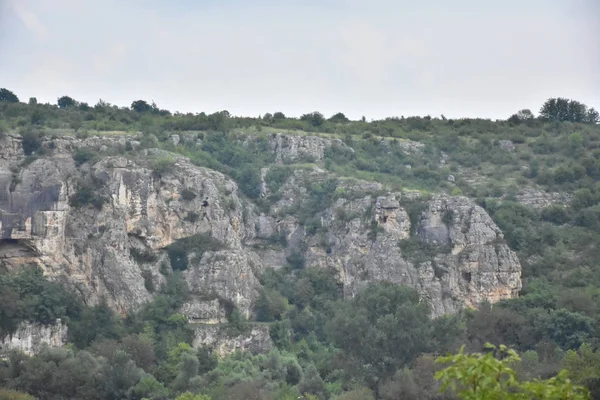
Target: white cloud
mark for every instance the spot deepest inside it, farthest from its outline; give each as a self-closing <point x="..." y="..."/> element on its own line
<point x="29" y="19"/>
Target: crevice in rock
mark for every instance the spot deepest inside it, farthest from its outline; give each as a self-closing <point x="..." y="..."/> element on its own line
<point x="467" y="277"/>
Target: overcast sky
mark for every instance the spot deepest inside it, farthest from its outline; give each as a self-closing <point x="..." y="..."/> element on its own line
<point x="378" y="58"/>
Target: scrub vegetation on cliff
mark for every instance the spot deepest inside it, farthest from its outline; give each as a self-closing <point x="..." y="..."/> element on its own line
<point x="537" y="177"/>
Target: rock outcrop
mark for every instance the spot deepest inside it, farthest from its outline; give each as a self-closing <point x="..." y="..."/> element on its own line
<point x="30" y="338"/>
<point x="256" y="340"/>
<point x="538" y="199"/>
<point x="153" y="211"/>
<point x="103" y="252"/>
<point x="449" y="249"/>
<point x="289" y="148"/>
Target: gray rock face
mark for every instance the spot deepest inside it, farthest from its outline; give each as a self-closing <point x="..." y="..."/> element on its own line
<point x="289" y="149"/>
<point x="204" y="311"/>
<point x="411" y="147"/>
<point x="539" y="199"/>
<point x="456" y="258"/>
<point x="91" y="250"/>
<point x="29" y="338"/>
<point x="257" y="340"/>
<point x="454" y="254"/>
<point x="175" y="139"/>
<point x="507" y="145"/>
<point x="229" y="274"/>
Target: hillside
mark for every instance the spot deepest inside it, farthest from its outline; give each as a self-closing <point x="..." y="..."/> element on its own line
<point x="340" y="256"/>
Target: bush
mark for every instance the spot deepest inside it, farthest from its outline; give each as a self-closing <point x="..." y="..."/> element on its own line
<point x="271" y="305"/>
<point x="3" y="129"/>
<point x="555" y="214"/>
<point x="163" y="165"/>
<point x="31" y="142"/>
<point x="188" y="195"/>
<point x="28" y="296"/>
<point x="277" y="176"/>
<point x="89" y="193"/>
<point x="180" y="250"/>
<point x="249" y="181"/>
<point x="296" y="260"/>
<point x="419" y="251"/>
<point x="83" y="155"/>
<point x="142" y="256"/>
<point x="192" y="217"/>
<point x="148" y="281"/>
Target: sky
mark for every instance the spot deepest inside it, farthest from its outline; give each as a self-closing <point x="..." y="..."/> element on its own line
<point x="376" y="58"/>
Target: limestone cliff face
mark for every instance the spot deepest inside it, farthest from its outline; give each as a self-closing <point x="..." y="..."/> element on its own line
<point x="289" y="148"/>
<point x="450" y="250"/>
<point x="255" y="340"/>
<point x="454" y="254"/>
<point x="29" y="338"/>
<point x="93" y="251"/>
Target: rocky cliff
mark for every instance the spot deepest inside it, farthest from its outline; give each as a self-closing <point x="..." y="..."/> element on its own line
<point x="138" y="214"/>
<point x="449" y="248"/>
<point x="30" y="338"/>
<point x="256" y="340"/>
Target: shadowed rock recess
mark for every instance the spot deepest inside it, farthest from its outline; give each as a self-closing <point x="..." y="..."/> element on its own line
<point x="448" y="248"/>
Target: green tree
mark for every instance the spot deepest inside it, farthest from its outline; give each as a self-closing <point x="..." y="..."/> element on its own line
<point x="312" y="383"/>
<point x="593" y="117"/>
<point x="31" y="142"/>
<point x="8" y="96"/>
<point x="66" y="102"/>
<point x="149" y="388"/>
<point x="357" y="394"/>
<point x="278" y="116"/>
<point x="567" y="329"/>
<point x="489" y="376"/>
<point x="561" y="109"/>
<point x="338" y="118"/>
<point x="314" y="118"/>
<point x="95" y="323"/>
<point x="385" y="326"/>
<point x="584" y="366"/>
<point x="521" y="116"/>
<point x="141" y="106"/>
<point x="29" y="296"/>
<point x="192" y="396"/>
<point x="271" y="305"/>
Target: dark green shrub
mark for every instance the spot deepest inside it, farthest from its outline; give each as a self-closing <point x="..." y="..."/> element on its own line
<point x="142" y="256"/>
<point x="89" y="193"/>
<point x="296" y="260"/>
<point x="163" y="165"/>
<point x="448" y="217"/>
<point x="277" y="176"/>
<point x="418" y="251"/>
<point x="188" y="195"/>
<point x="249" y="181"/>
<point x="28" y="296"/>
<point x="180" y="250"/>
<point x="83" y="155"/>
<point x="555" y="214"/>
<point x="31" y="142"/>
<point x="192" y="217"/>
<point x="271" y="305"/>
<point x="148" y="281"/>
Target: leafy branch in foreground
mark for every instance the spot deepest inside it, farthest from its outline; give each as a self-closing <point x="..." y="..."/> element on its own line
<point x="489" y="376"/>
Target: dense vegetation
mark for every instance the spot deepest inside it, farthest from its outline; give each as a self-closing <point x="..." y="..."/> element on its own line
<point x="380" y="344"/>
